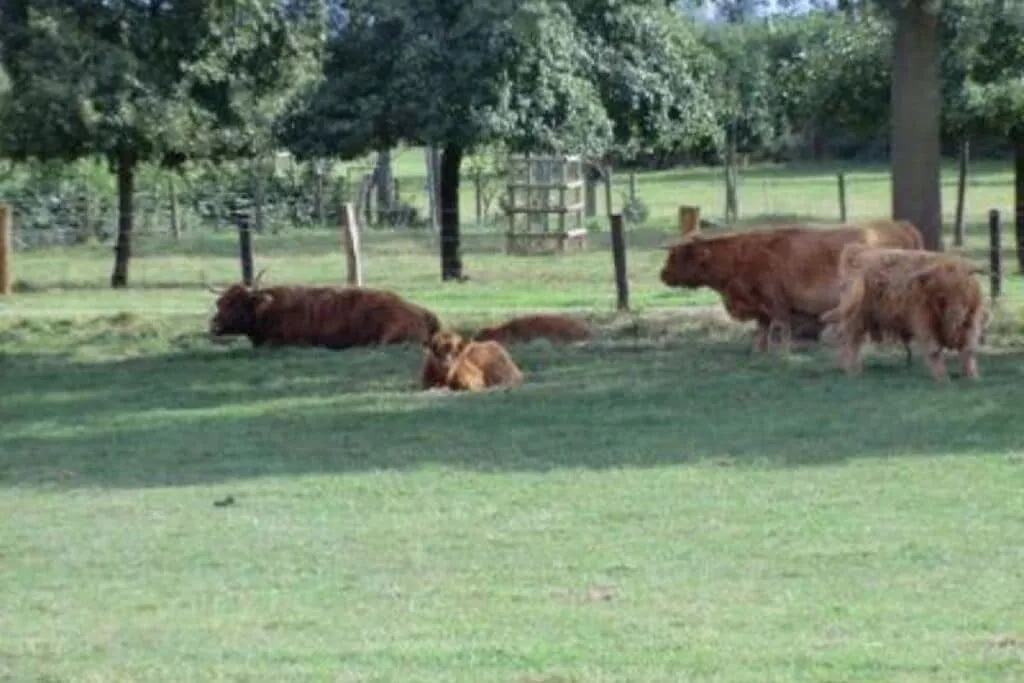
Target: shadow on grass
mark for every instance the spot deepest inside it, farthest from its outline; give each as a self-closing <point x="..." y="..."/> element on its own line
<point x="209" y="416"/>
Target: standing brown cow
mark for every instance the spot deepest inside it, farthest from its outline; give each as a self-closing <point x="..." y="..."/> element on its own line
<point x="335" y="318"/>
<point x="778" y="277"/>
<point x="929" y="297"/>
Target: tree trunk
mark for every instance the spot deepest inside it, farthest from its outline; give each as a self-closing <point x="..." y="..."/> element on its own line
<point x="1018" y="197"/>
<point x="125" y="219"/>
<point x="451" y="260"/>
<point x="916" y="112"/>
<point x="385" y="180"/>
<point x="259" y="194"/>
<point x="319" y="192"/>
<point x="433" y="166"/>
<point x="172" y="194"/>
<point x="961" y="192"/>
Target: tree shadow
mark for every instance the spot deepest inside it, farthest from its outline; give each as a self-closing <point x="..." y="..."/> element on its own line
<point x="203" y="417"/>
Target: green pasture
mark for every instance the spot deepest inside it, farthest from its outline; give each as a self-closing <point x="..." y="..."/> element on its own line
<point x="655" y="505"/>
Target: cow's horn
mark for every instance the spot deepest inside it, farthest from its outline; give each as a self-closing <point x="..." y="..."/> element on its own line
<point x="208" y="286"/>
<point x="259" y="276"/>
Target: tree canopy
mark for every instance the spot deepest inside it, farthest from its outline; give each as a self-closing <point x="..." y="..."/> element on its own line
<point x="135" y="81"/>
<point x="589" y="77"/>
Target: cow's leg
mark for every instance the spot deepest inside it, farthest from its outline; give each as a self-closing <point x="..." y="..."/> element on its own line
<point x="850" y="351"/>
<point x="783" y="324"/>
<point x="761" y="335"/>
<point x="969" y="363"/>
<point x="937" y="364"/>
<point x="782" y="334"/>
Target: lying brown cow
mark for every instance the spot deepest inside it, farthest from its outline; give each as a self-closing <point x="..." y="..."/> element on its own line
<point x="928" y="297"/>
<point x="330" y="317"/>
<point x="556" y="328"/>
<point x="462" y="365"/>
<point x="778" y="277"/>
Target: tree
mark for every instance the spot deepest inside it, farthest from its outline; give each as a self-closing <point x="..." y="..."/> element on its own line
<point x="135" y="81"/>
<point x="537" y="75"/>
<point x="916" y="101"/>
<point x="654" y="75"/>
<point x="847" y="74"/>
<point x="993" y="90"/>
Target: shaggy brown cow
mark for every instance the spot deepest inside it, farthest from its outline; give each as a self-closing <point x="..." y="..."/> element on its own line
<point x="931" y="298"/>
<point x="336" y="318"/>
<point x="778" y="276"/>
<point x="556" y="328"/>
<point x="462" y="365"/>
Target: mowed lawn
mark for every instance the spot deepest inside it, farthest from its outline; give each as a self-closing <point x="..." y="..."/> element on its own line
<point x="656" y="505"/>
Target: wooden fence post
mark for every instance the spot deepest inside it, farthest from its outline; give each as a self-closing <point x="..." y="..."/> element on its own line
<point x="689" y="219"/>
<point x="242" y="220"/>
<point x="478" y="191"/>
<point x="350" y="242"/>
<point x="619" y="259"/>
<point x="608" y="190"/>
<point x="841" y="177"/>
<point x="6" y="247"/>
<point x="590" y="180"/>
<point x="995" y="254"/>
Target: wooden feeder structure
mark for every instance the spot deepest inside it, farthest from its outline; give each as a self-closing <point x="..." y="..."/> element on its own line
<point x="545" y="204"/>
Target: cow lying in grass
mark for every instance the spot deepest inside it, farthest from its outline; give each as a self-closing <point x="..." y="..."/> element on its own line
<point x="555" y="328"/>
<point x="783" y="278"/>
<point x="462" y="365"/>
<point x="336" y="318"/>
<point x="927" y="297"/>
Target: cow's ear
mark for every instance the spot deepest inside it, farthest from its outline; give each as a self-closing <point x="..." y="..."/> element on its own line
<point x="263" y="301"/>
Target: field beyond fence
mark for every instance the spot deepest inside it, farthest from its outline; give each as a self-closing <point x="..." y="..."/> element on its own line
<point x="202" y="247"/>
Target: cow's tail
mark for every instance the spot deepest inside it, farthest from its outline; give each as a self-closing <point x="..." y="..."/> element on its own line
<point x="849" y="308"/>
<point x="849" y="257"/>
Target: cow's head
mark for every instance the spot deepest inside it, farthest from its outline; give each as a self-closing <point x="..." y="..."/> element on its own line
<point x="444" y="347"/>
<point x="686" y="264"/>
<point x="239" y="308"/>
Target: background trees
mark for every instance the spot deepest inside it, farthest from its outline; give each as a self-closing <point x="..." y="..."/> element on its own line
<point x="593" y="77"/>
<point x="141" y="81"/>
<point x="635" y="82"/>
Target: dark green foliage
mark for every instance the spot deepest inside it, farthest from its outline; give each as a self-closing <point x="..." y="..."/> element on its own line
<point x="993" y="90"/>
<point x="135" y="81"/>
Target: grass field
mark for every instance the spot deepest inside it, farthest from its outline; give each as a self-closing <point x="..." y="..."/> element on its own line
<point x="658" y="505"/>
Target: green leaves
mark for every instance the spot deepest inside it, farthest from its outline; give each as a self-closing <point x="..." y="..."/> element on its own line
<point x="188" y="78"/>
<point x="589" y="76"/>
<point x="990" y="98"/>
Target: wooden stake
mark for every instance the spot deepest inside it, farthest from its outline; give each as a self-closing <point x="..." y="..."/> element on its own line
<point x="242" y="220"/>
<point x="619" y="259"/>
<point x="841" y="177"/>
<point x="689" y="219"/>
<point x="995" y="254"/>
<point x="350" y="243"/>
<point x="6" y="247"/>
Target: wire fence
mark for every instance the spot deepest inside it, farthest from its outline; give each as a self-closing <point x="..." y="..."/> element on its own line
<point x="189" y="239"/>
